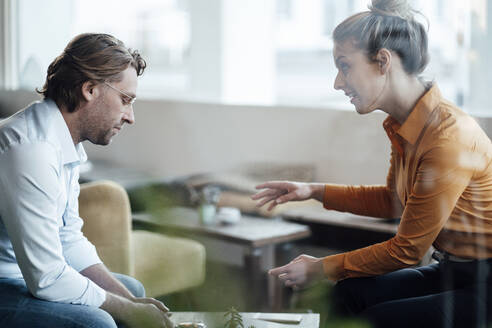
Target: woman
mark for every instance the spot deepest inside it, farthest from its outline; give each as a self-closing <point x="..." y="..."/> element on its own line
<point x="439" y="183"/>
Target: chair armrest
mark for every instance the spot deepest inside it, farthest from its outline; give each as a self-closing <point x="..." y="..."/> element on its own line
<point x="105" y="209"/>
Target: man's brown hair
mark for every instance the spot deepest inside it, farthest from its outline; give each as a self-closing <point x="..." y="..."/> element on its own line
<point x="88" y="57"/>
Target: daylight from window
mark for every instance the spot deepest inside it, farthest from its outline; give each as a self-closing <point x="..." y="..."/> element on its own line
<point x="261" y="52"/>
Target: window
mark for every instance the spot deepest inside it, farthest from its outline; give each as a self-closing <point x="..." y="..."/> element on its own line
<point x="255" y="51"/>
<point x="305" y="69"/>
<point x="160" y="30"/>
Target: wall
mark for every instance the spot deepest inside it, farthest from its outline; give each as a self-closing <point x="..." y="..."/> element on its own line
<point x="172" y="139"/>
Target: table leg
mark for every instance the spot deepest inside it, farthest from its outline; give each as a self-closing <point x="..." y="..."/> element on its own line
<point x="276" y="293"/>
<point x="255" y="277"/>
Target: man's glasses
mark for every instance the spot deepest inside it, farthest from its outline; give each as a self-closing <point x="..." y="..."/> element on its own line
<point x="131" y="99"/>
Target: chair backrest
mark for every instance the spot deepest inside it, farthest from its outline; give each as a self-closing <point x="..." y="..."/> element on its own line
<point x="105" y="208"/>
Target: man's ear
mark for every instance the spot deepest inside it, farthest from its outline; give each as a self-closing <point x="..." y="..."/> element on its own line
<point x="384" y="58"/>
<point x="89" y="90"/>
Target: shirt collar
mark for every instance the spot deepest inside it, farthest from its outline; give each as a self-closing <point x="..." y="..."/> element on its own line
<point x="415" y="122"/>
<point x="412" y="127"/>
<point x="390" y="125"/>
<point x="70" y="153"/>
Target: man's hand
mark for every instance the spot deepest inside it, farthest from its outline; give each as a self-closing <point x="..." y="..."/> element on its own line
<point x="279" y="192"/>
<point x="149" y="300"/>
<point x="123" y="306"/>
<point x="300" y="271"/>
<point x="148" y="315"/>
<point x="138" y="312"/>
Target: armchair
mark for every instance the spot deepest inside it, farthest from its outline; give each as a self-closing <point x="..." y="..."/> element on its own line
<point x="162" y="264"/>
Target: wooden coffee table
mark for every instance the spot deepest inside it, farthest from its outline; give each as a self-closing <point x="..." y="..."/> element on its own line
<point x="254" y="233"/>
<point x="216" y="319"/>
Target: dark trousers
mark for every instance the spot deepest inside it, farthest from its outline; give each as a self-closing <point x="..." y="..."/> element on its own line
<point x="445" y="294"/>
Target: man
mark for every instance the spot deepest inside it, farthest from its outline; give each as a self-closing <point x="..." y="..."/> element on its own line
<point x="50" y="273"/>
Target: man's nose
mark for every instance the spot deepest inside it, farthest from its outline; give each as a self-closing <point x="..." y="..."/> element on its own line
<point x="129" y="116"/>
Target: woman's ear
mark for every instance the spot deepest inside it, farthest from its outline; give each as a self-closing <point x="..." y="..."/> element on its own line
<point x="89" y="91"/>
<point x="383" y="58"/>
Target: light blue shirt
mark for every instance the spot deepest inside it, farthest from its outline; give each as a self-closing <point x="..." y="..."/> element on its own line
<point x="40" y="229"/>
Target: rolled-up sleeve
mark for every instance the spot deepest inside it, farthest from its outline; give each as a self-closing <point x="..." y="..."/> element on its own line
<point x="32" y="182"/>
<point x="79" y="252"/>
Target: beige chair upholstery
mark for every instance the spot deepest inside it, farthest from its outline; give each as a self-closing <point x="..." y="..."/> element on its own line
<point x="163" y="264"/>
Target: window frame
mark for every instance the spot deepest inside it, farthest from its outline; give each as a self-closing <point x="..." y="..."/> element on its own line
<point x="8" y="44"/>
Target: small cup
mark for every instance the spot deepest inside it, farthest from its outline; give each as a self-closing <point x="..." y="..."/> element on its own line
<point x="228" y="215"/>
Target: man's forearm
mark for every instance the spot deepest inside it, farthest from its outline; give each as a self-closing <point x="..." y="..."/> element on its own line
<point x="117" y="306"/>
<point x="100" y="275"/>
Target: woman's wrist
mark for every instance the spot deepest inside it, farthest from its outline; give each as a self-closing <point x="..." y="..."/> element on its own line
<point x="317" y="191"/>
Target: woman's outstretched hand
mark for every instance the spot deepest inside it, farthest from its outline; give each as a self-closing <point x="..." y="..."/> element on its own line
<point x="279" y="192"/>
<point x="301" y="271"/>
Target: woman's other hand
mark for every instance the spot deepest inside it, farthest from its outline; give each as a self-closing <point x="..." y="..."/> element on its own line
<point x="299" y="272"/>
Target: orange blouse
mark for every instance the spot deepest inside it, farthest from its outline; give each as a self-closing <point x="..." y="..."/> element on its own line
<point x="439" y="183"/>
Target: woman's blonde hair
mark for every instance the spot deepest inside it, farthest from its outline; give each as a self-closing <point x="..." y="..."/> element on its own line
<point x="88" y="57"/>
<point x="389" y="24"/>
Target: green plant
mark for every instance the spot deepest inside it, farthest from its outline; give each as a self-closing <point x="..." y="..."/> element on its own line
<point x="235" y="319"/>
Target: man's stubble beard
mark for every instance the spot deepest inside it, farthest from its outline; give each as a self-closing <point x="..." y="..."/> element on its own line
<point x="94" y="130"/>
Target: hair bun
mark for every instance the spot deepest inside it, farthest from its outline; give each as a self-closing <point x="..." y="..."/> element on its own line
<point x="399" y="8"/>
